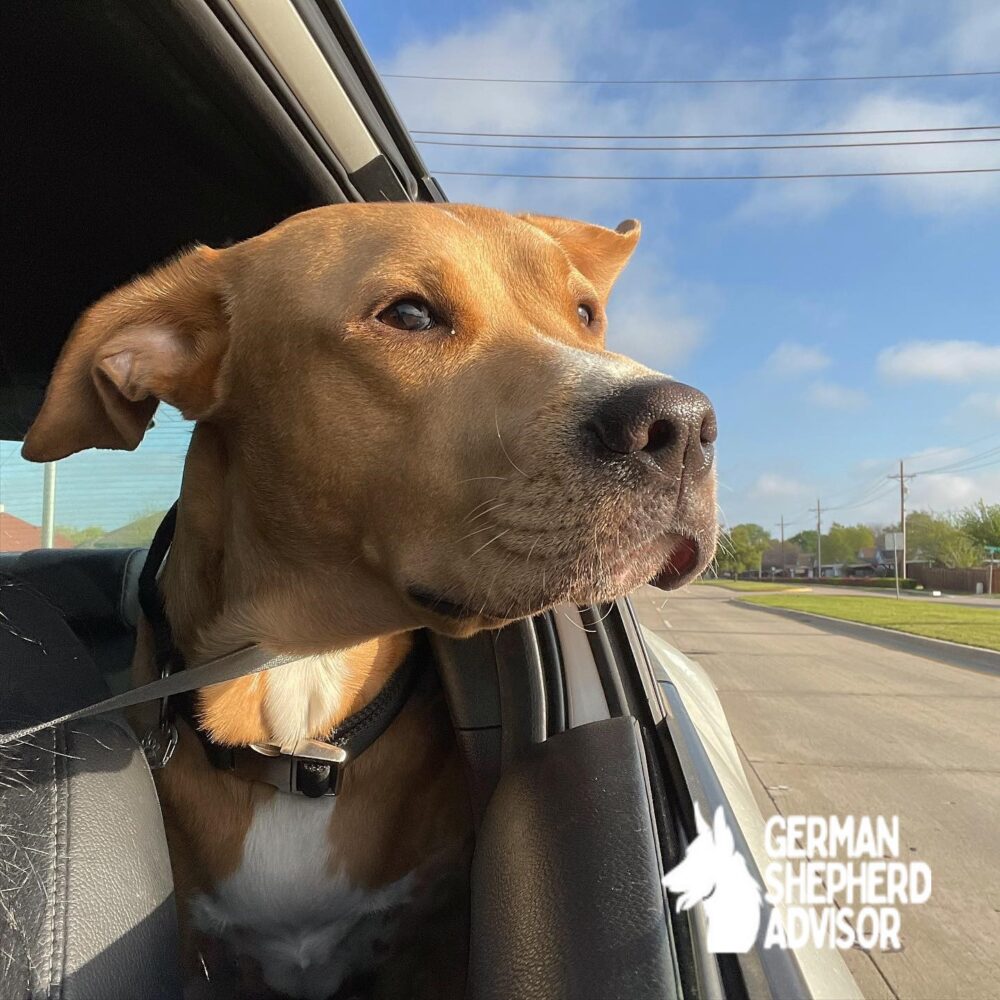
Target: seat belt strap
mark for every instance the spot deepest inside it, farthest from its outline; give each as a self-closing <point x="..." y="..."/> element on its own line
<point x="239" y="663"/>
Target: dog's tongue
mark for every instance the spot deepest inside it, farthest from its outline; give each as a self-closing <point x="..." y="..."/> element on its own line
<point x="681" y="561"/>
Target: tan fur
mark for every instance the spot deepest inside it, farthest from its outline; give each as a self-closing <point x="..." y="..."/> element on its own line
<point x="337" y="463"/>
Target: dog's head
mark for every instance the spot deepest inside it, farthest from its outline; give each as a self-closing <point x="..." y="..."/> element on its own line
<point x="416" y="399"/>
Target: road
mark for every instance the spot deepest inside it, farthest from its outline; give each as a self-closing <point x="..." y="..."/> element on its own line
<point x="830" y="724"/>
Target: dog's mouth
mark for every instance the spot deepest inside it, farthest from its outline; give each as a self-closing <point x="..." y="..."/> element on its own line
<point x="454" y="610"/>
<point x="680" y="566"/>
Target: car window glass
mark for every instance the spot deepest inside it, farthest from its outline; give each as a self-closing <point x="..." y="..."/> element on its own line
<point x="97" y="499"/>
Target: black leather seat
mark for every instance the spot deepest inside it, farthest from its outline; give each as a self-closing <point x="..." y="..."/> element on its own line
<point x="96" y="591"/>
<point x="86" y="892"/>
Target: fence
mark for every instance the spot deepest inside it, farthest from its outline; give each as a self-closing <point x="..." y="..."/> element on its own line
<point x="961" y="580"/>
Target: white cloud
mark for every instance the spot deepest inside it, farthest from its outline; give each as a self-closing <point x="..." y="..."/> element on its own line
<point x="949" y="492"/>
<point x="773" y="485"/>
<point x="930" y="194"/>
<point x="940" y="360"/>
<point x="928" y="458"/>
<point x="798" y="201"/>
<point x="832" y="396"/>
<point x="790" y="358"/>
<point x="981" y="404"/>
<point x="865" y="38"/>
<point x="562" y="39"/>
<point x="975" y="39"/>
<point x="650" y="319"/>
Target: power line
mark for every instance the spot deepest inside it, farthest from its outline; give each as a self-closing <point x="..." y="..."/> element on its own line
<point x="709" y="177"/>
<point x="976" y="468"/>
<point x="707" y="80"/>
<point x="952" y="447"/>
<point x="865" y="498"/>
<point x="961" y="464"/>
<point x="703" y="149"/>
<point x="716" y="135"/>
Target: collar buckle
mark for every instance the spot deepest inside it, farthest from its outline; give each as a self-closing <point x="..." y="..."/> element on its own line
<point x="315" y="768"/>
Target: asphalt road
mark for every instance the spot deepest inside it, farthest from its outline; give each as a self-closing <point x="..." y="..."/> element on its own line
<point x="832" y="724"/>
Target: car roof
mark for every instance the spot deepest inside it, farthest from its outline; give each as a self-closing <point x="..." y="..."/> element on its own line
<point x="135" y="130"/>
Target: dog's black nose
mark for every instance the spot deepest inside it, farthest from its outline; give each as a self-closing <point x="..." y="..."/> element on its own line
<point x="663" y="422"/>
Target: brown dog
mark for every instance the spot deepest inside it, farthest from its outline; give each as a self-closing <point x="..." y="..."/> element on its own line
<point x="406" y="417"/>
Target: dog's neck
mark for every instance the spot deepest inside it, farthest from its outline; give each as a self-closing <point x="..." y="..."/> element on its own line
<point x="223" y="590"/>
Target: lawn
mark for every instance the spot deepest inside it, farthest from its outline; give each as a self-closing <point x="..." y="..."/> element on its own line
<point x="956" y="623"/>
<point x="746" y="585"/>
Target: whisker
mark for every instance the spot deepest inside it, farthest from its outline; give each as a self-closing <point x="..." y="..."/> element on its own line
<point x="478" y="531"/>
<point x="503" y="447"/>
<point x="527" y="558"/>
<point x="490" y="542"/>
<point x="582" y="628"/>
<point x="483" y="513"/>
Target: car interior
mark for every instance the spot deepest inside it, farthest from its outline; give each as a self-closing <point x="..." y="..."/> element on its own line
<point x="132" y="131"/>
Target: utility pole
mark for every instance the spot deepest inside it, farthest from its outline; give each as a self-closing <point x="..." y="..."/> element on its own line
<point x="781" y="524"/>
<point x="48" y="505"/>
<point x="902" y="477"/>
<point x="819" y="539"/>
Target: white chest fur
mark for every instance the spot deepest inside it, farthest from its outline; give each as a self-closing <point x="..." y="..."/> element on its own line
<point x="302" y="695"/>
<point x="307" y="928"/>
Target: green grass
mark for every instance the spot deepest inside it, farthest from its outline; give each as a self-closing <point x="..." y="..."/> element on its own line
<point x="954" y="622"/>
<point x="746" y="585"/>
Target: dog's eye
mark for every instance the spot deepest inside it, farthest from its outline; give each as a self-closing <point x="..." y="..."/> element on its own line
<point x="585" y="313"/>
<point x="409" y="314"/>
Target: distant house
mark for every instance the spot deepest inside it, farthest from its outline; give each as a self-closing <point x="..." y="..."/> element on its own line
<point x="20" y="536"/>
<point x="873" y="561"/>
<point x="805" y="565"/>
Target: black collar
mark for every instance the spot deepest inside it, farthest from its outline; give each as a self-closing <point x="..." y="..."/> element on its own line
<point x="310" y="767"/>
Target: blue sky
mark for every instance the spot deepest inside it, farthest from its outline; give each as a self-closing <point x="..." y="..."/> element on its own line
<point x="838" y="325"/>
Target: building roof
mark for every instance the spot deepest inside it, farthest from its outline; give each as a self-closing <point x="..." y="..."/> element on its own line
<point x="20" y="536"/>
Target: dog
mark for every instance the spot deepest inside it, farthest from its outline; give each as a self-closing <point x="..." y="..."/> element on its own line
<point x="405" y="418"/>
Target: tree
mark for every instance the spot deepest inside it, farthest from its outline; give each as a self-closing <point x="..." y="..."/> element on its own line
<point x="805" y="540"/>
<point x="961" y="552"/>
<point x="843" y="543"/>
<point x="778" y="557"/>
<point x="941" y="540"/>
<point x="80" y="536"/>
<point x="756" y="535"/>
<point x="981" y="522"/>
<point x="740" y="549"/>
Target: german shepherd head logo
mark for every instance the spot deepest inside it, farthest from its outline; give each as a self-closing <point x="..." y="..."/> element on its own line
<point x="714" y="873"/>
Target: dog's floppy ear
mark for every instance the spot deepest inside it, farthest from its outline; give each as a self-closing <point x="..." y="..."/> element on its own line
<point x="599" y="254"/>
<point x="162" y="337"/>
